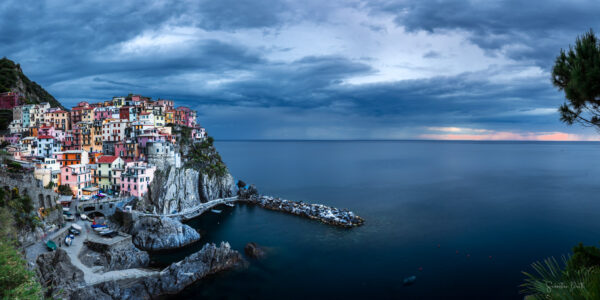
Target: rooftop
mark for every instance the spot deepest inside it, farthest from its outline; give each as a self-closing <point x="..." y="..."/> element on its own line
<point x="106" y="159"/>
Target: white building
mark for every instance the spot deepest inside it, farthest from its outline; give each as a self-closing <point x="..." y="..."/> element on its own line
<point x="114" y="130"/>
<point x="47" y="145"/>
<point x="16" y="126"/>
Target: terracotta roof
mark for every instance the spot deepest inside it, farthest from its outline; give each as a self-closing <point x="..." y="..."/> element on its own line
<point x="106" y="159"/>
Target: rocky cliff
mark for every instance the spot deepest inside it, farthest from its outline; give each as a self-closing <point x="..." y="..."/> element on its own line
<point x="57" y="274"/>
<point x="154" y="234"/>
<point x="172" y="280"/>
<point x="203" y="177"/>
<point x="177" y="189"/>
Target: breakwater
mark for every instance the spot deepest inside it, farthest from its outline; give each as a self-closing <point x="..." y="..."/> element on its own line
<point x="326" y="214"/>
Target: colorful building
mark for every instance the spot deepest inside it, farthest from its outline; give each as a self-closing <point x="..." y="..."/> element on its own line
<point x="136" y="178"/>
<point x="9" y="100"/>
<point x="72" y="157"/>
<point x="114" y="130"/>
<point x="108" y="174"/>
<point x="77" y="177"/>
<point x="60" y="119"/>
<point x="47" y="145"/>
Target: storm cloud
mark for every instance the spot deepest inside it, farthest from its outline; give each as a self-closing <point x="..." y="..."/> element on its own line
<point x="270" y="69"/>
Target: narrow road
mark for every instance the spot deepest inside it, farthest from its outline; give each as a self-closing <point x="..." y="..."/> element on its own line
<point x="89" y="275"/>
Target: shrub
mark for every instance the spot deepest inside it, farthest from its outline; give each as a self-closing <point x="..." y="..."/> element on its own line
<point x="584" y="257"/>
<point x="64" y="189"/>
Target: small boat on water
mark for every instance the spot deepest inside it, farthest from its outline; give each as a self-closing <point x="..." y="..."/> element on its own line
<point x="74" y="231"/>
<point x="230" y="204"/>
<point x="216" y="211"/>
<point x="409" y="280"/>
<point x="83" y="216"/>
<point x="77" y="227"/>
<point x="51" y="245"/>
<point x="98" y="226"/>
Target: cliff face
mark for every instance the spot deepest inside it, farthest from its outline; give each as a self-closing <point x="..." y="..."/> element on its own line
<point x="178" y="189"/>
<point x="173" y="190"/>
<point x="215" y="187"/>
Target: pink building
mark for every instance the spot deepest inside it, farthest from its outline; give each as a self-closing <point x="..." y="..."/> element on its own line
<point x="120" y="149"/>
<point x="184" y="116"/>
<point x="13" y="139"/>
<point x="101" y="113"/>
<point x="166" y="104"/>
<point x="9" y="100"/>
<point x="77" y="177"/>
<point x="136" y="178"/>
<point x="46" y="130"/>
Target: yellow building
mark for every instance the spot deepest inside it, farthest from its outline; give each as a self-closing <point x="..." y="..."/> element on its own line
<point x="170" y="117"/>
<point x="60" y="119"/>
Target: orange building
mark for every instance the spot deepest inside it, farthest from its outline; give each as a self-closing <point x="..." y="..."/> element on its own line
<point x="72" y="157"/>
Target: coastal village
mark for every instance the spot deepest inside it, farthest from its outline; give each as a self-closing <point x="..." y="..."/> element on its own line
<point x="97" y="149"/>
<point x="95" y="190"/>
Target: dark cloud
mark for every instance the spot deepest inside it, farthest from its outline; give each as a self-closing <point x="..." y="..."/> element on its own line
<point x="74" y="50"/>
<point x="236" y="14"/>
<point x="532" y="30"/>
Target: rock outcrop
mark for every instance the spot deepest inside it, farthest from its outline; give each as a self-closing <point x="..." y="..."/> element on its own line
<point x="57" y="274"/>
<point x="154" y="234"/>
<point x="211" y="259"/>
<point x="253" y="250"/>
<point x="326" y="214"/>
<point x="216" y="187"/>
<point x="114" y="259"/>
<point x="178" y="189"/>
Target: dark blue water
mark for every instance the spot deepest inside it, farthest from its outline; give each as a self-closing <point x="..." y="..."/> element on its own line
<point x="516" y="202"/>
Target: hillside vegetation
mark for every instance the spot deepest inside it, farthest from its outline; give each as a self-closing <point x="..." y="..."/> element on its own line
<point x="12" y="79"/>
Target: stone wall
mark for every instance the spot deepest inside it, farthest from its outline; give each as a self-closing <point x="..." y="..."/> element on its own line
<point x="27" y="184"/>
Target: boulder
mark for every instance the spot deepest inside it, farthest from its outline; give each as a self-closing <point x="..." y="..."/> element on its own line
<point x="253" y="250"/>
<point x="154" y="234"/>
<point x="114" y="258"/>
<point x="57" y="274"/>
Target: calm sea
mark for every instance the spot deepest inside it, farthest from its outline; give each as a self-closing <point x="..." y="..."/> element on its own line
<point x="464" y="217"/>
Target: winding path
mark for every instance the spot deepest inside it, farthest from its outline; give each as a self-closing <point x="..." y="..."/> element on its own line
<point x="194" y="211"/>
<point x="89" y="276"/>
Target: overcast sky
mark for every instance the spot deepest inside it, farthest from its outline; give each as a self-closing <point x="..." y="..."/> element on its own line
<point x="312" y="69"/>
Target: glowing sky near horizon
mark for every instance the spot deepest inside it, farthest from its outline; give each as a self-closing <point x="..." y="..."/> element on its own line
<point x="273" y="69"/>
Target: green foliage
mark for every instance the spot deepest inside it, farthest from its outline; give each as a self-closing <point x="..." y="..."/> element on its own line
<point x="13" y="167"/>
<point x="16" y="281"/>
<point x="552" y="281"/>
<point x="204" y="156"/>
<point x="5" y="118"/>
<point x="10" y="74"/>
<point x="21" y="207"/>
<point x="64" y="189"/>
<point x="49" y="185"/>
<point x="584" y="257"/>
<point x="577" y="73"/>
